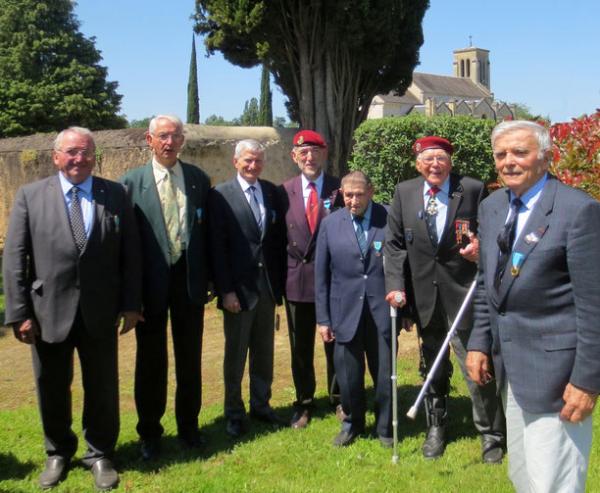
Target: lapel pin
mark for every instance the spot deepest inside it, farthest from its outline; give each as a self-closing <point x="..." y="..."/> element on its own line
<point x="378" y="245"/>
<point x="532" y="238"/>
<point x="199" y="215"/>
<point x="517" y="261"/>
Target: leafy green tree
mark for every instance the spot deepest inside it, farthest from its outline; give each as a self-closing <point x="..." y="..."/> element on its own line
<point x="143" y="123"/>
<point x="50" y="76"/>
<point x="219" y="121"/>
<point x="193" y="103"/>
<point x="523" y="112"/>
<point x="250" y="116"/>
<point x="330" y="58"/>
<point x="266" y="105"/>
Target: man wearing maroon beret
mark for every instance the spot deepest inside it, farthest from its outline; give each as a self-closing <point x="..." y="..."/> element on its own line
<point x="308" y="198"/>
<point x="431" y="253"/>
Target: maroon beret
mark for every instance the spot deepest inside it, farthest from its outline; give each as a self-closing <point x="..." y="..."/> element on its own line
<point x="432" y="142"/>
<point x="309" y="138"/>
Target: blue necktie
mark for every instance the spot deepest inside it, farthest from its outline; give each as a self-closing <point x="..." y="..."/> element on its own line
<point x="360" y="234"/>
<point x="505" y="240"/>
<point x="255" y="206"/>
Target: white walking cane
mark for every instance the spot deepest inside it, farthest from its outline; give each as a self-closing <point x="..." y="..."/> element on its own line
<point x="394" y="315"/>
<point x="412" y="412"/>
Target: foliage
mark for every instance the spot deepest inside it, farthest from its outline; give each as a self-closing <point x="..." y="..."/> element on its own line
<point x="523" y="112"/>
<point x="193" y="104"/>
<point x="576" y="147"/>
<point x="330" y="58"/>
<point x="383" y="148"/>
<point x="219" y="121"/>
<point x="143" y="123"/>
<point x="250" y="117"/>
<point x="51" y="76"/>
<point x="265" y="117"/>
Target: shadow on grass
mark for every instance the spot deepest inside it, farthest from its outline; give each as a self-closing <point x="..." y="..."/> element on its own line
<point x="12" y="468"/>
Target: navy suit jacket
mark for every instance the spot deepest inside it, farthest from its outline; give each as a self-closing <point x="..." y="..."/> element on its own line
<point x="239" y="251"/>
<point x="542" y="327"/>
<point x="344" y="278"/>
<point x="301" y="244"/>
<point x="141" y="187"/>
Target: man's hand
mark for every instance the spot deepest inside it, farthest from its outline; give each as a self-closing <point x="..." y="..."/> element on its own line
<point x="479" y="368"/>
<point x="579" y="404"/>
<point x="396" y="298"/>
<point x="26" y="331"/>
<point x="231" y="303"/>
<point x="471" y="251"/>
<point x="128" y="320"/>
<point x="326" y="333"/>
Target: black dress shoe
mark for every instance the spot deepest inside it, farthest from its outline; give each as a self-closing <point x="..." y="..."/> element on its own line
<point x="105" y="475"/>
<point x="344" y="438"/>
<point x="301" y="418"/>
<point x="435" y="443"/>
<point x="194" y="440"/>
<point x="268" y="417"/>
<point x="492" y="451"/>
<point x="235" y="428"/>
<point x="54" y="472"/>
<point x="150" y="449"/>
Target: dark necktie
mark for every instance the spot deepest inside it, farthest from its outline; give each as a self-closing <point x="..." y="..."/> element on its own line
<point x="312" y="208"/>
<point x="505" y="240"/>
<point x="360" y="234"/>
<point x="431" y="215"/>
<point x="76" y="220"/>
<point x="255" y="206"/>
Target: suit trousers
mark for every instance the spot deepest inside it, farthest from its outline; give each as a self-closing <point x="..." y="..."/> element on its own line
<point x="250" y="332"/>
<point x="301" y="317"/>
<point x="53" y="372"/>
<point x="349" y="361"/>
<point x="151" y="365"/>
<point x="545" y="454"/>
<point x="488" y="415"/>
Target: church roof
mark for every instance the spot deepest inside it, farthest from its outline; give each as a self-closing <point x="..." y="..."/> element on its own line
<point x="449" y="86"/>
<point x="391" y="97"/>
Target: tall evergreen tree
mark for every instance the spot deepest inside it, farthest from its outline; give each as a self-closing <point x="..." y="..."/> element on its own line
<point x="193" y="103"/>
<point x="50" y="76"/>
<point x="250" y="116"/>
<point x="266" y="105"/>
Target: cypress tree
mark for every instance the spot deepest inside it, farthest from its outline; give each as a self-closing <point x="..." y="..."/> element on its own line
<point x="266" y="104"/>
<point x="193" y="103"/>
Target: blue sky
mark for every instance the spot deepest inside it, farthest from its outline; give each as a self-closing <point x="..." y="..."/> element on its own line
<point x="543" y="53"/>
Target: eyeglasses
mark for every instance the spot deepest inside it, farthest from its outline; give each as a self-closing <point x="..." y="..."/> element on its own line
<point x="85" y="153"/>
<point x="303" y="151"/>
<point x="164" y="137"/>
<point x="439" y="159"/>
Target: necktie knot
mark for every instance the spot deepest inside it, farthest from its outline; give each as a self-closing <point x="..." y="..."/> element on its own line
<point x="312" y="207"/>
<point x="433" y="191"/>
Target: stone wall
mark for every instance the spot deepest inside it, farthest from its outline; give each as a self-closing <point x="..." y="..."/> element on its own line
<point x="26" y="159"/>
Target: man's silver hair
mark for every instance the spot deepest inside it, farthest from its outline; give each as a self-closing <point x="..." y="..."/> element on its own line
<point x="247" y="145"/>
<point x="541" y="133"/>
<point x="77" y="130"/>
<point x="172" y="118"/>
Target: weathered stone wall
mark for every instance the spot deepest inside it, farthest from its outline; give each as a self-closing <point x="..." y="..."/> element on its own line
<point x="26" y="159"/>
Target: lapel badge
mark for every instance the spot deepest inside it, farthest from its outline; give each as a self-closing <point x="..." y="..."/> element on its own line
<point x="532" y="238"/>
<point x="327" y="204"/>
<point x="116" y="220"/>
<point x="378" y="245"/>
<point x="273" y="217"/>
<point x="461" y="227"/>
<point x="199" y="215"/>
<point x="408" y="233"/>
<point x="516" y="263"/>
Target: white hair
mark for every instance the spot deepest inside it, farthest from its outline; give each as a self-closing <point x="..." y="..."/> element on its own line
<point x="172" y="118"/>
<point x="86" y="132"/>
<point x="247" y="145"/>
<point x="541" y="133"/>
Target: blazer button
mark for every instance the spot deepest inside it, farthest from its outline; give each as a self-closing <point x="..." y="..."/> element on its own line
<point x="294" y="243"/>
<point x="437" y="258"/>
<point x="435" y="283"/>
<point x="365" y="276"/>
<point x="360" y="298"/>
<point x="260" y="265"/>
<point x="304" y="260"/>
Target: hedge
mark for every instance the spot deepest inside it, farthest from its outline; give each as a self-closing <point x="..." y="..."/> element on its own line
<point x="383" y="148"/>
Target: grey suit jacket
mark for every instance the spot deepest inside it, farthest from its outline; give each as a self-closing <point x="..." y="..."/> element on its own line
<point x="141" y="187"/>
<point x="46" y="278"/>
<point x="543" y="326"/>
<point x="412" y="262"/>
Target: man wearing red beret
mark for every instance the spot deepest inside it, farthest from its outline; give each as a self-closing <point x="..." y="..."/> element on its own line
<point x="431" y="253"/>
<point x="308" y="198"/>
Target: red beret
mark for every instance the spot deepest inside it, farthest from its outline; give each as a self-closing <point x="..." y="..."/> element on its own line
<point x="432" y="142"/>
<point x="309" y="138"/>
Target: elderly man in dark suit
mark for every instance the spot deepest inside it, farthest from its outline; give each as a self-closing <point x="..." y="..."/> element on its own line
<point x="170" y="198"/>
<point x="431" y="252"/>
<point x="351" y="307"/>
<point x="71" y="271"/>
<point x="537" y="311"/>
<point x="308" y="198"/>
<point x="248" y="248"/>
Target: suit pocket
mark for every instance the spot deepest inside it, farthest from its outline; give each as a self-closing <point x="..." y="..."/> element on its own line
<point x="559" y="342"/>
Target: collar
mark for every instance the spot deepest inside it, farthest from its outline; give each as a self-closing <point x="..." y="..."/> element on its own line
<point x="163" y="170"/>
<point x="444" y="188"/>
<point x="531" y="196"/>
<point x="245" y="185"/>
<point x="85" y="186"/>
<point x="367" y="215"/>
<point x="318" y="182"/>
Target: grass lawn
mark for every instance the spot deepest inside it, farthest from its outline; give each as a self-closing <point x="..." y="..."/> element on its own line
<point x="265" y="460"/>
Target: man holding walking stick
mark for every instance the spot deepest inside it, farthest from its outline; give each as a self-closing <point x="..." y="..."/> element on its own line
<point x="431" y="253"/>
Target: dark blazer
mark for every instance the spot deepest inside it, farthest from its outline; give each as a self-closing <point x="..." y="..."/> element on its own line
<point x="543" y="326"/>
<point x="300" y="282"/>
<point x="343" y="277"/>
<point x="428" y="267"/>
<point x="141" y="187"/>
<point x="239" y="251"/>
<point x="46" y="278"/>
